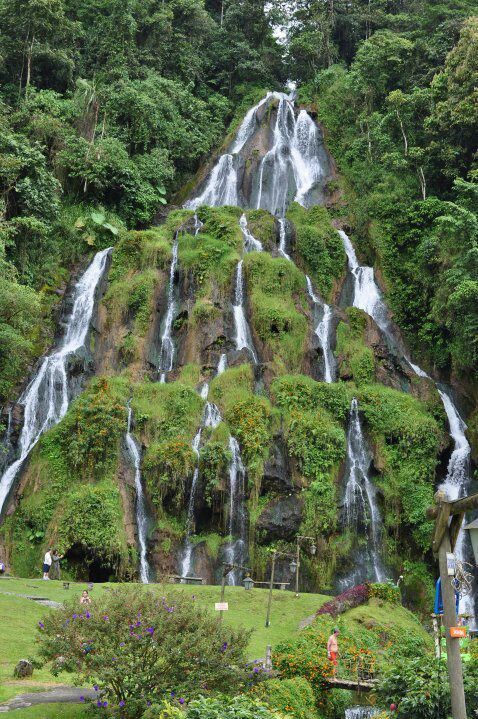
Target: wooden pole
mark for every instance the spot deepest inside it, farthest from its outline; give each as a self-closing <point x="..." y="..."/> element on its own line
<point x="453" y="658"/>
<point x="297" y="560"/>
<point x="271" y="584"/>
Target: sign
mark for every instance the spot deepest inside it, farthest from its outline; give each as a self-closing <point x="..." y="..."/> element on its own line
<point x="450" y="564"/>
<point x="457" y="632"/>
<point x="221" y="606"/>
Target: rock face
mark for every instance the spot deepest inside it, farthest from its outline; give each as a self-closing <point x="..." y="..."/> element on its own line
<point x="23" y="669"/>
<point x="280" y="519"/>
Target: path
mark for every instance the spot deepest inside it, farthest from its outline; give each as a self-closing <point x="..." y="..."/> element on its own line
<point x="61" y="694"/>
<point x="40" y="600"/>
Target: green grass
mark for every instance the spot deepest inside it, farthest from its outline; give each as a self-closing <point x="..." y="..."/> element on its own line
<point x="247" y="609"/>
<point x="53" y="711"/>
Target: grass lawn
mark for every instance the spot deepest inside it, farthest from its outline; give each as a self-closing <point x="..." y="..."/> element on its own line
<point x="20" y="616"/>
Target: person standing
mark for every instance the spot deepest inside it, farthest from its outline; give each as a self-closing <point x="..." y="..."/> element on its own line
<point x="55" y="566"/>
<point x="47" y="560"/>
<point x="333" y="649"/>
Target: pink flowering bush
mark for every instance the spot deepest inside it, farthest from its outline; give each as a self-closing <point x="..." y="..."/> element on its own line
<point x="136" y="648"/>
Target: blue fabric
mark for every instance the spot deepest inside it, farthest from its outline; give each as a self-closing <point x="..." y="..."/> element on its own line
<point x="438" y="604"/>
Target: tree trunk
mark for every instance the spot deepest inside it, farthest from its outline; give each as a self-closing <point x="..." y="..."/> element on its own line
<point x="423" y="183"/>
<point x="29" y="65"/>
<point x="405" y="141"/>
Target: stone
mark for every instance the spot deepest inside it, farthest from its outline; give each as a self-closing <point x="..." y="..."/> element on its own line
<point x="280" y="519"/>
<point x="277" y="475"/>
<point x="23" y="669"/>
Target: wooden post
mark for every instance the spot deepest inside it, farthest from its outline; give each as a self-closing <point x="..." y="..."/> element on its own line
<point x="297" y="559"/>
<point x="223" y="586"/>
<point x="268" y="657"/>
<point x="436" y="634"/>
<point x="271" y="584"/>
<point x="453" y="658"/>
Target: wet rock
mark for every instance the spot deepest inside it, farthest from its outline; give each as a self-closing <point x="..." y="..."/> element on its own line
<point x="277" y="477"/>
<point x="280" y="519"/>
<point x="23" y="669"/>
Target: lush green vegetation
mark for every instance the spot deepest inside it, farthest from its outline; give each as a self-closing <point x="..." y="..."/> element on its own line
<point x="395" y="86"/>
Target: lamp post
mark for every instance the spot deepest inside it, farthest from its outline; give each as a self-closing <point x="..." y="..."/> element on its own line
<point x="292" y="566"/>
<point x="228" y="567"/>
<point x="300" y="538"/>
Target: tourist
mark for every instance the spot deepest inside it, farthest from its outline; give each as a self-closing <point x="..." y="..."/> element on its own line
<point x="47" y="563"/>
<point x="85" y="598"/>
<point x="55" y="566"/>
<point x="3" y="569"/>
<point x="333" y="649"/>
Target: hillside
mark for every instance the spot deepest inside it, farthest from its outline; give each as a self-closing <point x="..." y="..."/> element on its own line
<point x="199" y="382"/>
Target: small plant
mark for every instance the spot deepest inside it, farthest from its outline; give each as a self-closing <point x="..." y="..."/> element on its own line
<point x="89" y="226"/>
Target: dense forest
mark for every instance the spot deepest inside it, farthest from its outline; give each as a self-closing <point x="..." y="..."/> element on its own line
<point x="112" y="114"/>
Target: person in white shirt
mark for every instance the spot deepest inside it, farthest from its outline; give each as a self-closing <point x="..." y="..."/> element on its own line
<point x="47" y="563"/>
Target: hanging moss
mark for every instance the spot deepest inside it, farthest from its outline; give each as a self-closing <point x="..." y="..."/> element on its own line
<point x="262" y="226"/>
<point x="318" y="246"/>
<point x="356" y="360"/>
<point x="207" y="258"/>
<point x="277" y="299"/>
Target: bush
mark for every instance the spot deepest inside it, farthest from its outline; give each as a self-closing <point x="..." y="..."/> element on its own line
<point x="386" y="591"/>
<point x="136" y="648"/>
<point x="239" y="707"/>
<point x="294" y="697"/>
<point x="353" y="597"/>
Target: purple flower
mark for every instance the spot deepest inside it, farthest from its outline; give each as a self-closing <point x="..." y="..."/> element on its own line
<point x="148" y="703"/>
<point x="105" y="704"/>
<point x="224" y="647"/>
<point x="96" y="687"/>
<point x="122" y="644"/>
<point x="87" y="615"/>
<point x="106" y="618"/>
<point x="82" y="699"/>
<point x="75" y="616"/>
<point x="41" y="625"/>
<point x="193" y="596"/>
<point x="138" y="624"/>
<point x="150" y="630"/>
<point x="99" y="703"/>
<point x="181" y="701"/>
<point x="256" y="670"/>
<point x="173" y="694"/>
<point x="122" y="703"/>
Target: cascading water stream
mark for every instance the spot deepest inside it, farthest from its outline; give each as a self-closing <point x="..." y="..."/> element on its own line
<point x="322" y="331"/>
<point x="361" y="712"/>
<point x="211" y="418"/>
<point x="46" y="397"/>
<point x="141" y="517"/>
<point x="243" y="333"/>
<point x="361" y="512"/>
<point x="283" y="239"/>
<point x="167" y="346"/>
<point x="250" y="242"/>
<point x="367" y="296"/>
<point x="237" y="521"/>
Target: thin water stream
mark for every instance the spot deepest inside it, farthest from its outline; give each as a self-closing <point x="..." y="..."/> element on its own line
<point x="141" y="516"/>
<point x="47" y="396"/>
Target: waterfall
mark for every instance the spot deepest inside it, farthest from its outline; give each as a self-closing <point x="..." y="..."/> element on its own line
<point x="237" y="521"/>
<point x="361" y="512"/>
<point x="322" y="331"/>
<point x="141" y="518"/>
<point x="167" y="345"/>
<point x="282" y="239"/>
<point x="305" y="160"/>
<point x="249" y="124"/>
<point x="243" y="334"/>
<point x="46" y="397"/>
<point x="211" y="418"/>
<point x="361" y="712"/>
<point x="250" y="242"/>
<point x="367" y="296"/>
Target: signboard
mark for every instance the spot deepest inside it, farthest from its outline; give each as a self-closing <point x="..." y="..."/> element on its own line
<point x="457" y="632"/>
<point x="221" y="606"/>
<point x="450" y="564"/>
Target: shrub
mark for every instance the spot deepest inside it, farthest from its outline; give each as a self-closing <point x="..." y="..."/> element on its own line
<point x="239" y="707"/>
<point x="294" y="697"/>
<point x="353" y="597"/>
<point x="138" y="648"/>
<point x="386" y="591"/>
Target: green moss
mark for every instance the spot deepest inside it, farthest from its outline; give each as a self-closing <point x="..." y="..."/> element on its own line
<point x="222" y="223"/>
<point x="276" y="295"/>
<point x="190" y="375"/>
<point x="166" y="466"/>
<point x="262" y="226"/>
<point x="205" y="258"/>
<point x="318" y="245"/>
<point x="356" y="360"/>
<point x="166" y="411"/>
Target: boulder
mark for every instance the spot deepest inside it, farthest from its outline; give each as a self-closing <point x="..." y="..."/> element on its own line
<point x="23" y="669"/>
<point x="280" y="519"/>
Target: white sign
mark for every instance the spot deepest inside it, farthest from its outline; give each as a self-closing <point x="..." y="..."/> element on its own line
<point x="221" y="606"/>
<point x="450" y="564"/>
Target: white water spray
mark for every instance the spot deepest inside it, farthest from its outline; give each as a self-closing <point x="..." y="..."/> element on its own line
<point x="46" y="398"/>
<point x="167" y="346"/>
<point x="243" y="334"/>
<point x="322" y="331"/>
<point x="141" y="518"/>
